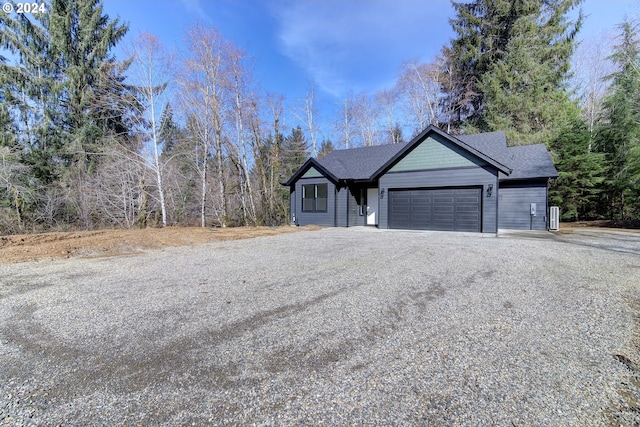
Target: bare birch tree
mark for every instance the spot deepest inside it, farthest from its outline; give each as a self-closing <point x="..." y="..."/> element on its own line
<point x="241" y="102"/>
<point x="202" y="82"/>
<point x="345" y="124"/>
<point x="420" y="85"/>
<point x="152" y="72"/>
<point x="590" y="67"/>
<point x="365" y="116"/>
<point x="308" y="117"/>
<point x="387" y="102"/>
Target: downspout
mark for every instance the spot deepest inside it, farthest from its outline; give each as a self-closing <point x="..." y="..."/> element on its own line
<point x="347" y="196"/>
<point x="335" y="205"/>
<point x="497" y="201"/>
<point x="546" y="204"/>
<point x="294" y="204"/>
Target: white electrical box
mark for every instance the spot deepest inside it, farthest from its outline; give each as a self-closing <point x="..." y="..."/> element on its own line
<point x="554" y="218"/>
<point x="533" y="209"/>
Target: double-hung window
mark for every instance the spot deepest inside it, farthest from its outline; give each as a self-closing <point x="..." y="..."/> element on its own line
<point x="314" y="197"/>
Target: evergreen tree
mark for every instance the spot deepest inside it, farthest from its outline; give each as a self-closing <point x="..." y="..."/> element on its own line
<point x="619" y="133"/>
<point x="29" y="85"/>
<point x="81" y="37"/>
<point x="581" y="172"/>
<point x="296" y="152"/>
<point x="525" y="90"/>
<point x="507" y="66"/>
<point x="326" y="147"/>
<point x="59" y="94"/>
<point x="168" y="131"/>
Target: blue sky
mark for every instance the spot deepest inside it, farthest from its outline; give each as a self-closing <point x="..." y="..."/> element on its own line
<point x="341" y="45"/>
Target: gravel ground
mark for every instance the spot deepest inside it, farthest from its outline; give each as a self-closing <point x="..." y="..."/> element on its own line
<point x="330" y="327"/>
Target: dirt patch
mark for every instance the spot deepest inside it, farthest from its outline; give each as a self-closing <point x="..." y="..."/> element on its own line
<point x="31" y="247"/>
<point x="627" y="225"/>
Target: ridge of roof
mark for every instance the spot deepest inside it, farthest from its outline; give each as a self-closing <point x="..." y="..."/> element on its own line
<point x="366" y="163"/>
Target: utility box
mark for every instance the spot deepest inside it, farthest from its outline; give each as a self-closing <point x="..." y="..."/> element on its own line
<point x="554" y="218"/>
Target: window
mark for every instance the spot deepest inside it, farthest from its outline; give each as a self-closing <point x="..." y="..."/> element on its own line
<point x="314" y="198"/>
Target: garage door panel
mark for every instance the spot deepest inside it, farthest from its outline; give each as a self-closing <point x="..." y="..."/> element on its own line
<point x="440" y="208"/>
<point x="447" y="209"/>
<point x="444" y="200"/>
<point x="463" y="208"/>
<point x="402" y="209"/>
<point x="467" y="200"/>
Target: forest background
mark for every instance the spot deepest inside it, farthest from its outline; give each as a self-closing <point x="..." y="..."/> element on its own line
<point x="154" y="137"/>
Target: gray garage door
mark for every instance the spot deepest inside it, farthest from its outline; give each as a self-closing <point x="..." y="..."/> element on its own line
<point x="447" y="209"/>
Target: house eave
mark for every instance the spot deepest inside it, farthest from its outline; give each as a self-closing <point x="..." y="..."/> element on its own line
<point x="311" y="162"/>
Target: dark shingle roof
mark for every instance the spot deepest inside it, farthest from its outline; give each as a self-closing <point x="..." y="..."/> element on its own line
<point x="492" y="144"/>
<point x="359" y="163"/>
<point x="528" y="161"/>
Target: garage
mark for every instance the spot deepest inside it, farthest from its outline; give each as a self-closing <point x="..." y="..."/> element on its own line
<point x="443" y="209"/>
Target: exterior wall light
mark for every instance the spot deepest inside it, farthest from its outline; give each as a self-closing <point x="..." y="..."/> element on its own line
<point x="382" y="193"/>
<point x="489" y="190"/>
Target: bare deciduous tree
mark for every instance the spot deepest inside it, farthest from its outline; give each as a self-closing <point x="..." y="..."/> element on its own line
<point x="365" y="116"/>
<point x="345" y="123"/>
<point x="202" y="82"/>
<point x="152" y="73"/>
<point x="387" y="101"/>
<point x="14" y="183"/>
<point x="590" y="67"/>
<point x="241" y="105"/>
<point x="420" y="86"/>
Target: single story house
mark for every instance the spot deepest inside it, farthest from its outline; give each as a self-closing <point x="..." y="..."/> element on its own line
<point x="434" y="182"/>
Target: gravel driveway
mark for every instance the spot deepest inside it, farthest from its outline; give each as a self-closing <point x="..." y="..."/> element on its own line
<point x="330" y="327"/>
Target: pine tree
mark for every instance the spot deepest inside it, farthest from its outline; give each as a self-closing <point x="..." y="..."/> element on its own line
<point x="296" y="152"/>
<point x="326" y="147"/>
<point x="168" y="131"/>
<point x="619" y="133"/>
<point x="60" y="86"/>
<point x="525" y="90"/>
<point x="507" y="66"/>
<point x="81" y="37"/>
<point x="581" y="171"/>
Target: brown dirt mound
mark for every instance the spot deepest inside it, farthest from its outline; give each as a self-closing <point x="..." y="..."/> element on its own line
<point x="31" y="247"/>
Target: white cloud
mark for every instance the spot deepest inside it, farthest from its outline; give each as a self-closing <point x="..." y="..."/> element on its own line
<point x="195" y="7"/>
<point x="345" y="45"/>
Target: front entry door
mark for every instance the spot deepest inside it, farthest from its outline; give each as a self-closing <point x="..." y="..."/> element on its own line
<point x="372" y="206"/>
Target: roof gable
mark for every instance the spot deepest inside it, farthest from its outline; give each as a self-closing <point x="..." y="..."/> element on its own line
<point x="442" y="136"/>
<point x="435" y="152"/>
<point x="312" y="173"/>
<point x="304" y="169"/>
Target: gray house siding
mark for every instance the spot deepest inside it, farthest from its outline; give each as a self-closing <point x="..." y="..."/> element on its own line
<point x="464" y="177"/>
<point x="515" y="200"/>
<point x="355" y="219"/>
<point x="327" y="218"/>
<point x="341" y="207"/>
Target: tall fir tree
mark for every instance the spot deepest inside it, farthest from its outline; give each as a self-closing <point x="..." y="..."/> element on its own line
<point x="618" y="136"/>
<point x="581" y="171"/>
<point x="296" y="152"/>
<point x="59" y="84"/>
<point x="508" y="64"/>
<point x="81" y="38"/>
